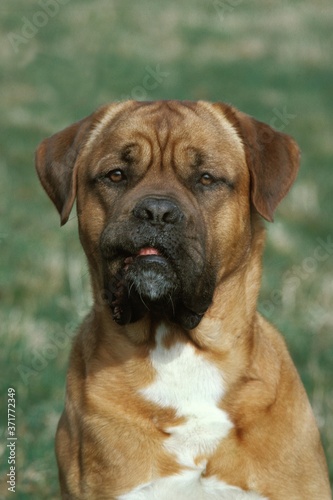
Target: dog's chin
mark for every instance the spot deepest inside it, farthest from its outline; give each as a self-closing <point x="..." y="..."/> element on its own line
<point x="152" y="278"/>
<point x="148" y="283"/>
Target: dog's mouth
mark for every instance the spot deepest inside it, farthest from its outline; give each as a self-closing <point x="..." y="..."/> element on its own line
<point x="146" y="259"/>
<point x="147" y="281"/>
<point x="150" y="253"/>
<point x="153" y="275"/>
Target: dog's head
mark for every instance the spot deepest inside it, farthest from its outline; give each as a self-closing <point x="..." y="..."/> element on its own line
<point x="166" y="192"/>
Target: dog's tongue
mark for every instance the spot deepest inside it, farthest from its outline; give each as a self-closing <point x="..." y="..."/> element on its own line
<point x="148" y="251"/>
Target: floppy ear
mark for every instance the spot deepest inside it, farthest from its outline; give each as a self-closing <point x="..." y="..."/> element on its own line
<point x="272" y="158"/>
<point x="55" y="160"/>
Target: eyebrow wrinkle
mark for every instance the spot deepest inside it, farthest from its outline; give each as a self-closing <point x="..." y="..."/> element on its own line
<point x="126" y="153"/>
<point x="140" y="136"/>
<point x="196" y="157"/>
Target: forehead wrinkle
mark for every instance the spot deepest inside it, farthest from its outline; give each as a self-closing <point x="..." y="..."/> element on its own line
<point x="163" y="134"/>
<point x="155" y="131"/>
<point x="171" y="131"/>
<point x="162" y="130"/>
<point x="145" y="144"/>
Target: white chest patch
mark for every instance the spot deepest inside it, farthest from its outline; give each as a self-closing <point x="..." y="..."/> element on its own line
<point x="188" y="383"/>
<point x="191" y="385"/>
<point x="183" y="487"/>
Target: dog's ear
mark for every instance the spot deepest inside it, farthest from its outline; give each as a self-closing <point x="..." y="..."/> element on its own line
<point x="56" y="158"/>
<point x="272" y="157"/>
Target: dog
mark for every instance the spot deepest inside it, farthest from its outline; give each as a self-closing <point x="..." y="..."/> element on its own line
<point x="177" y="387"/>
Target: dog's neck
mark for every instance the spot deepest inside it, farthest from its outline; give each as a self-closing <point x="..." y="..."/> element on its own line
<point x="234" y="307"/>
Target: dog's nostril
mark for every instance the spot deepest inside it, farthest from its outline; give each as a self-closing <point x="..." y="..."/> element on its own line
<point x="158" y="211"/>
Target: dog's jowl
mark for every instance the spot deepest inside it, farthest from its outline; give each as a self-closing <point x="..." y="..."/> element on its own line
<point x="177" y="387"/>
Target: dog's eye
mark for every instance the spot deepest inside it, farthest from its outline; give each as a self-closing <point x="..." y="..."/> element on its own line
<point x="117" y="175"/>
<point x="206" y="179"/>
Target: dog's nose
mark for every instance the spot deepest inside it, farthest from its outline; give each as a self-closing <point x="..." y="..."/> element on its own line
<point x="158" y="211"/>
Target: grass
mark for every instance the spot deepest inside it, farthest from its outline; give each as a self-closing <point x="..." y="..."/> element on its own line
<point x="262" y="57"/>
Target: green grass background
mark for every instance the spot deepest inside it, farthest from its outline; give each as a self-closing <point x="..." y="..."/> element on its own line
<point x="262" y="56"/>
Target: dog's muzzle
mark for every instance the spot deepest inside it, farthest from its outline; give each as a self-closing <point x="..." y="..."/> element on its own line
<point x="150" y="271"/>
<point x="155" y="269"/>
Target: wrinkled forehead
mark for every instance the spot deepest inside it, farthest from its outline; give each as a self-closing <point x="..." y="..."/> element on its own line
<point x="192" y="127"/>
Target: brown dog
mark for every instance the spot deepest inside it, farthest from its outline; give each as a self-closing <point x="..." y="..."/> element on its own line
<point x="177" y="388"/>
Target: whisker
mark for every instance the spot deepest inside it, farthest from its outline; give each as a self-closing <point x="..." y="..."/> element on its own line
<point x="172" y="304"/>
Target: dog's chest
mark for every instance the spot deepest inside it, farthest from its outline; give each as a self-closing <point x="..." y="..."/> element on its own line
<point x="191" y="385"/>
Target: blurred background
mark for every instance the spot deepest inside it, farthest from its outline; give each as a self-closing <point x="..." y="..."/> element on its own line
<point x="60" y="59"/>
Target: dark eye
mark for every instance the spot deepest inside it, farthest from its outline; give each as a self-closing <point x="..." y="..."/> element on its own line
<point x="206" y="179"/>
<point x="117" y="175"/>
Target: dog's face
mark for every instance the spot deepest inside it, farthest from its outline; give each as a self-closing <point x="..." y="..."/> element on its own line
<point x="156" y="184"/>
<point x="165" y="195"/>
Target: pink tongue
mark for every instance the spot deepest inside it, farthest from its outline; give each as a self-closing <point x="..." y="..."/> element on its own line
<point x="149" y="251"/>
